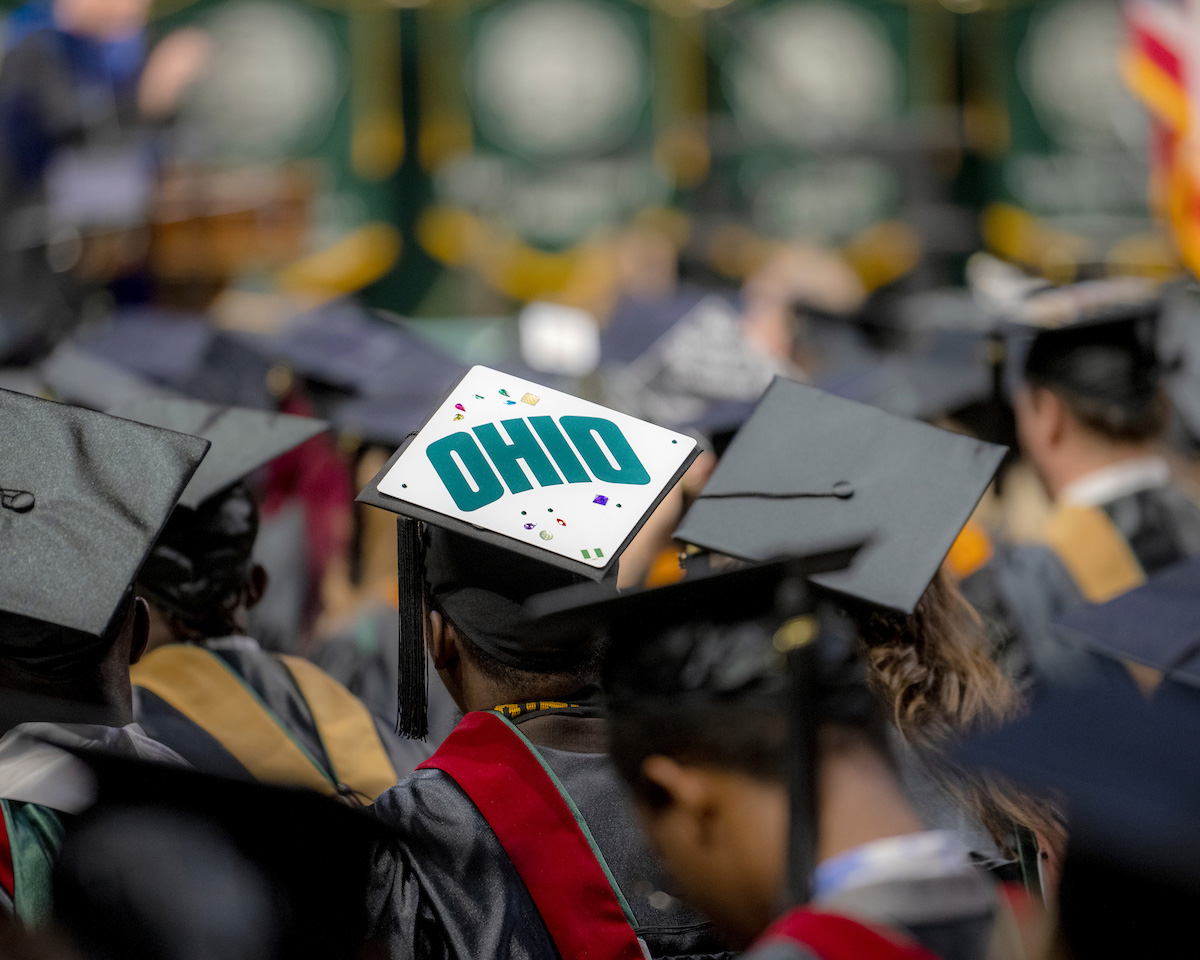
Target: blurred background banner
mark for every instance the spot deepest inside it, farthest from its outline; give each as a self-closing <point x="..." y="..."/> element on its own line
<point x="336" y="206"/>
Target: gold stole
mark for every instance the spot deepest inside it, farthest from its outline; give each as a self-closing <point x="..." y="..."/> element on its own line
<point x="204" y="689"/>
<point x="1102" y="564"/>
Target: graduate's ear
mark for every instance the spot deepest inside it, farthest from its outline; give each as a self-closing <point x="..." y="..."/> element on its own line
<point x="1055" y="416"/>
<point x="256" y="585"/>
<point x="139" y="630"/>
<point x="440" y="640"/>
<point x="684" y="792"/>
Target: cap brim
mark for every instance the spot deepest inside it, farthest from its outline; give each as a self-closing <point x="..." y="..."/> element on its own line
<point x="724" y="597"/>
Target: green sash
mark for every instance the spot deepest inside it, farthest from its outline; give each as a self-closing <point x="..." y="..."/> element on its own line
<point x="36" y="834"/>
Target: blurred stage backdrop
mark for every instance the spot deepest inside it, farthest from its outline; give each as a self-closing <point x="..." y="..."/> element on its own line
<point x="458" y="158"/>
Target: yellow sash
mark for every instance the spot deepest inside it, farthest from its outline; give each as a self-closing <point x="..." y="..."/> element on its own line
<point x="1092" y="549"/>
<point x="1102" y="565"/>
<point x="346" y="730"/>
<point x="203" y="688"/>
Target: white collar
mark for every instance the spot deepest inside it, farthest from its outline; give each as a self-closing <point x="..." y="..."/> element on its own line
<point x="1119" y="480"/>
<point x="232" y="642"/>
<point x="34" y="771"/>
<point x="911" y="856"/>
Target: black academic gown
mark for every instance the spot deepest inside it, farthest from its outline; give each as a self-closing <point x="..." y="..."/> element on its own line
<point x="279" y="697"/>
<point x="446" y="889"/>
<point x="1024" y="591"/>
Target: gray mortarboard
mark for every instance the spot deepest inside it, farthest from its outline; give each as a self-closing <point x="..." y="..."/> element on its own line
<point x="206" y="548"/>
<point x="521" y="489"/>
<point x="1126" y="771"/>
<point x="183" y="352"/>
<point x="78" y="377"/>
<point x="943" y="372"/>
<point x="704" y="358"/>
<point x="347" y="346"/>
<point x="809" y="467"/>
<point x="1156" y="625"/>
<point x="83" y="497"/>
<point x="725" y="638"/>
<point x="242" y="439"/>
<point x="172" y="863"/>
<point x="1097" y="339"/>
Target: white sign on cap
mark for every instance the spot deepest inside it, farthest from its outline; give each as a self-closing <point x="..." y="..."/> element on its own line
<point x="545" y="468"/>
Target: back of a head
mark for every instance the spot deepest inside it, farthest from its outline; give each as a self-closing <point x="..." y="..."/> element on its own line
<point x="41" y="655"/>
<point x="151" y="885"/>
<point x="717" y="694"/>
<point x="196" y="570"/>
<point x="480" y="588"/>
<point x="1107" y="373"/>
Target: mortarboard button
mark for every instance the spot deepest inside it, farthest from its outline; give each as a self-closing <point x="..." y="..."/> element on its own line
<point x="85" y="495"/>
<point x="809" y="468"/>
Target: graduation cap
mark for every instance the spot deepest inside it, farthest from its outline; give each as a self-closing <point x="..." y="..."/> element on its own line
<point x="344" y="345"/>
<point x="749" y="636"/>
<point x="943" y="372"/>
<point x="242" y="439"/>
<point x="809" y="467"/>
<point x="83" y="497"/>
<point x="1097" y="339"/>
<point x="205" y="551"/>
<point x="1126" y="771"/>
<point x="1156" y="625"/>
<point x="210" y="866"/>
<point x="636" y="323"/>
<point x="522" y="489"/>
<point x="183" y="352"/>
<point x="78" y="377"/>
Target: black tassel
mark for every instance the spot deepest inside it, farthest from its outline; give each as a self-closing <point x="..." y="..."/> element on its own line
<point x="412" y="681"/>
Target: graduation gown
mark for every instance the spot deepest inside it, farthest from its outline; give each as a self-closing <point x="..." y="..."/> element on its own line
<point x="231" y="708"/>
<point x="42" y="788"/>
<point x="364" y="657"/>
<point x="517" y="840"/>
<point x="1088" y="555"/>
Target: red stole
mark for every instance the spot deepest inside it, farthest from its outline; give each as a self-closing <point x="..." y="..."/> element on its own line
<point x="834" y="937"/>
<point x="543" y="835"/>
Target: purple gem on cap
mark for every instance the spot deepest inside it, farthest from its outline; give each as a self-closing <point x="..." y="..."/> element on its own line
<point x="601" y="499"/>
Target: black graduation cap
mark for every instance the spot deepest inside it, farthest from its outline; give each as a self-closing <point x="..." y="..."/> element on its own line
<point x="1125" y="770"/>
<point x="242" y="439"/>
<point x="287" y="871"/>
<point x="343" y="344"/>
<point x="78" y="377"/>
<point x="943" y="372"/>
<point x="1096" y="338"/>
<point x="742" y="636"/>
<point x="636" y="323"/>
<point x="83" y="496"/>
<point x="1156" y="625"/>
<point x="809" y="468"/>
<point x="552" y="499"/>
<point x="183" y="352"/>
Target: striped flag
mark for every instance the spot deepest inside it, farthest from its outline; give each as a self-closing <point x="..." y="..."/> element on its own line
<point x="1161" y="64"/>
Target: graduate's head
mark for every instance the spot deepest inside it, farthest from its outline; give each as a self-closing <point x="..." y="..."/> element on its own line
<point x="54" y="661"/>
<point x="708" y="777"/>
<point x="700" y="733"/>
<point x="82" y="497"/>
<point x="1091" y="392"/>
<point x="698" y="680"/>
<point x="477" y="635"/>
<point x="200" y="577"/>
<point x="511" y="489"/>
